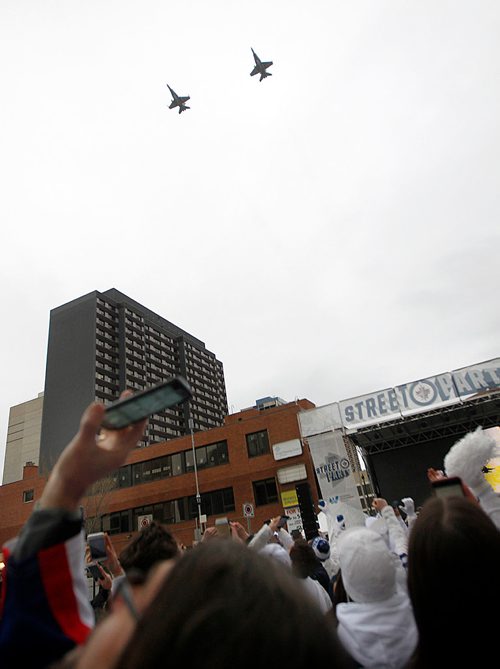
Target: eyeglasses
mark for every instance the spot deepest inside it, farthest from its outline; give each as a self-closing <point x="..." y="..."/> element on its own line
<point x="123" y="590"/>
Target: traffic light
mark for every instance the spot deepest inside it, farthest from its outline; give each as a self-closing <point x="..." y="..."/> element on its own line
<point x="309" y="519"/>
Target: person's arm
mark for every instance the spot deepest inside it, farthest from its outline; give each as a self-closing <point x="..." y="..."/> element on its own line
<point x="285" y="538"/>
<point x="397" y="536"/>
<point x="46" y="611"/>
<point x="408" y="507"/>
<point x="264" y="535"/>
<point x="238" y="532"/>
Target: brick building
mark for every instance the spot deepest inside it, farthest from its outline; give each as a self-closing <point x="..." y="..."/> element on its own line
<point x="257" y="457"/>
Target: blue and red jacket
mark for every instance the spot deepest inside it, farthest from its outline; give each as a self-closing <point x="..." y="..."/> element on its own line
<point x="44" y="610"/>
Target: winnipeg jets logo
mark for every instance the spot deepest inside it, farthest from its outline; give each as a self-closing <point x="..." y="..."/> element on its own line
<point x="423" y="393"/>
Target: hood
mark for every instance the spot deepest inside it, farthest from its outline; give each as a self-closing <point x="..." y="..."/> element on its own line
<point x="381" y="635"/>
<point x="277" y="553"/>
<point x="367" y="566"/>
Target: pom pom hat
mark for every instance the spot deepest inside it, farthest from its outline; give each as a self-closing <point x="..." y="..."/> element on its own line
<point x="321" y="548"/>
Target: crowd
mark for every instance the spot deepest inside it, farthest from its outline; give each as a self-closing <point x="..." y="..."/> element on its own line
<point x="407" y="590"/>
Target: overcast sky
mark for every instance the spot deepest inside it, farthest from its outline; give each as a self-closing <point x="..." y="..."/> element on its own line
<point x="330" y="231"/>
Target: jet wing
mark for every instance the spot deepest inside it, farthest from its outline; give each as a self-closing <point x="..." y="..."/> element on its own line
<point x="254" y="71"/>
<point x="267" y="64"/>
<point x="183" y="100"/>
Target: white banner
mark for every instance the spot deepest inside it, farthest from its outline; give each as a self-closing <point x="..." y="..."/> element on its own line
<point x="334" y="473"/>
<point x="370" y="409"/>
<point x="405" y="400"/>
<point x="477" y="379"/>
<point x="426" y="394"/>
<point x="321" y="419"/>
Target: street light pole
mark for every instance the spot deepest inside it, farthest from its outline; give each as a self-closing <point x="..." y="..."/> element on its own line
<point x="198" y="496"/>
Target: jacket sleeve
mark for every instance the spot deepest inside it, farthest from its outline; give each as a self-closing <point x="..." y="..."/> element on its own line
<point x="45" y="609"/>
<point x="397" y="535"/>
<point x="285" y="539"/>
<point x="262" y="538"/>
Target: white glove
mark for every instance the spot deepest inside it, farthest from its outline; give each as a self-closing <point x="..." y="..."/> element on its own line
<point x="468" y="456"/>
<point x="408" y="506"/>
<point x="338" y="526"/>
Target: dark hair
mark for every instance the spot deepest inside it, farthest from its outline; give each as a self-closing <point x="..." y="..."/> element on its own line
<point x="453" y="561"/>
<point x="224" y="606"/>
<point x="304" y="560"/>
<point x="152" y="544"/>
<point x="339" y="595"/>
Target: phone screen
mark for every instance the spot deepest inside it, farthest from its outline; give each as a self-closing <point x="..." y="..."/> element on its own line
<point x="97" y="545"/>
<point x="223" y="528"/>
<point x="131" y="410"/>
<point x="448" y="488"/>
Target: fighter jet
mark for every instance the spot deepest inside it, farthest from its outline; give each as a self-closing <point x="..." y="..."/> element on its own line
<point x="178" y="101"/>
<point x="260" y="67"/>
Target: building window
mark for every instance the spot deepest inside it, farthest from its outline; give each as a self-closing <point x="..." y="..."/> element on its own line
<point x="177" y="464"/>
<point x="28" y="495"/>
<point x="171" y="465"/>
<point x="201" y="457"/>
<point x="213" y="503"/>
<point x="125" y="476"/>
<point x="257" y="443"/>
<point x="265" y="492"/>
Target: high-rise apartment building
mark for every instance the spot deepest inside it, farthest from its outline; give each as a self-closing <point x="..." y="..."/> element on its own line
<point x="23" y="438"/>
<point x="103" y="343"/>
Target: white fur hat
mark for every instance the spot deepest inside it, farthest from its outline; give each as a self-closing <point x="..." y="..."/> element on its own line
<point x="367" y="566"/>
<point x="468" y="455"/>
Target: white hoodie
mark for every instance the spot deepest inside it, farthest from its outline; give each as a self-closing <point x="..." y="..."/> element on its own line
<point x="380" y="635"/>
<point x="377" y="628"/>
<point x="317" y="593"/>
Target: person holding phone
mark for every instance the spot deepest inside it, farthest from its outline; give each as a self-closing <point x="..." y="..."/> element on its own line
<point x="175" y="614"/>
<point x="50" y="550"/>
<point x="275" y="530"/>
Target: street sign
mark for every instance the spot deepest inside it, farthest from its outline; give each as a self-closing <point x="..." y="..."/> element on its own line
<point x="144" y="521"/>
<point x="248" y="511"/>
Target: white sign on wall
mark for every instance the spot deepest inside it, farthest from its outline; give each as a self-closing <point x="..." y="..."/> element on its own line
<point x="287" y="449"/>
<point x="291" y="474"/>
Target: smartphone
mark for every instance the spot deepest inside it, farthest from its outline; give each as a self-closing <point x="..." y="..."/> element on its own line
<point x="283" y="521"/>
<point x="93" y="570"/>
<point x="135" y="408"/>
<point x="97" y="545"/>
<point x="448" y="487"/>
<point x="223" y="528"/>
